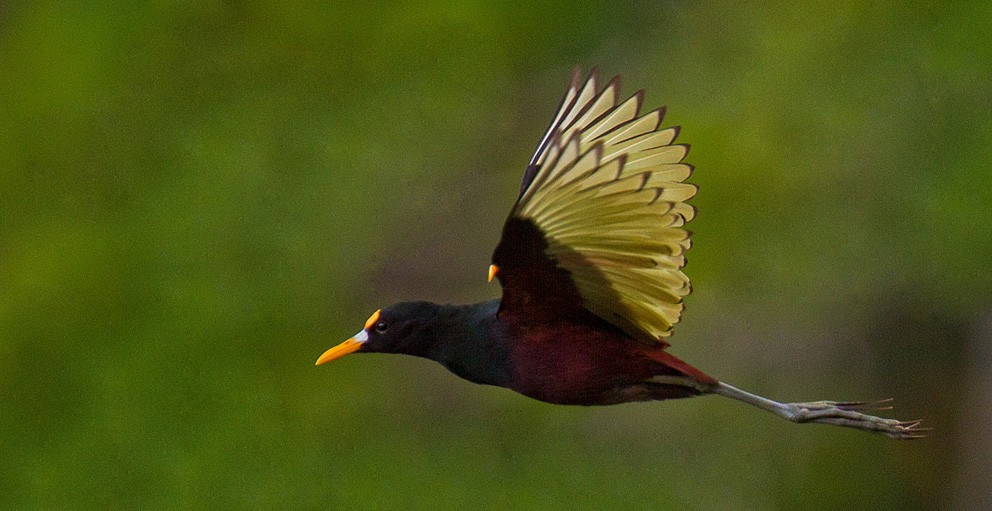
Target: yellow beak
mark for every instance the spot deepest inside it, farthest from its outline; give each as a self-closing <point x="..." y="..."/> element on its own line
<point x="493" y="270"/>
<point x="349" y="346"/>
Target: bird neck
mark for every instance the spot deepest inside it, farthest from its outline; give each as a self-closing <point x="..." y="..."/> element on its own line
<point x="471" y="342"/>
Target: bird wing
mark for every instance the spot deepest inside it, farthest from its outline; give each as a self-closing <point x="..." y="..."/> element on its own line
<point x="599" y="223"/>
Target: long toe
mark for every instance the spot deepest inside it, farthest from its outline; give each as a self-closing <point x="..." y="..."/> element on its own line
<point x="846" y="414"/>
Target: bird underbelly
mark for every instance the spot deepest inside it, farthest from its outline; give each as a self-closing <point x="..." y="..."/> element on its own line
<point x="584" y="369"/>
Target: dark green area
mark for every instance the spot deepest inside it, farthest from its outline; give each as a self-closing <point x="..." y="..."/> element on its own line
<point x="198" y="198"/>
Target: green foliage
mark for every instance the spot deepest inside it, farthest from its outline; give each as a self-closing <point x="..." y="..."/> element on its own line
<point x="198" y="198"/>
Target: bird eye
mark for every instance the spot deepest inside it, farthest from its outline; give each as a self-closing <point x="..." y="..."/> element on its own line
<point x="381" y="327"/>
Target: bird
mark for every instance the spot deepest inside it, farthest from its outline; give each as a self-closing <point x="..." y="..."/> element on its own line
<point x="591" y="264"/>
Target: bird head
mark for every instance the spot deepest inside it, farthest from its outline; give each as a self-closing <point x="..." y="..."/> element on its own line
<point x="399" y="328"/>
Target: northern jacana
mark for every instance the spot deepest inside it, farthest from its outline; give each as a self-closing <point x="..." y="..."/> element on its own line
<point x="590" y="261"/>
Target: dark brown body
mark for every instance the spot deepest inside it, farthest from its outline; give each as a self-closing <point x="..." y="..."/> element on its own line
<point x="577" y="359"/>
<point x="568" y="363"/>
<point x="562" y="353"/>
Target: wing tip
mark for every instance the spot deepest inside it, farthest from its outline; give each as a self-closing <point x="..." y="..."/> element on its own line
<point x="695" y="210"/>
<point x="614" y="83"/>
<point x="576" y="77"/>
<point x="593" y="78"/>
<point x="639" y="98"/>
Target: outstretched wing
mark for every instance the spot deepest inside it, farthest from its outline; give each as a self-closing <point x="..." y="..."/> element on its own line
<point x="598" y="225"/>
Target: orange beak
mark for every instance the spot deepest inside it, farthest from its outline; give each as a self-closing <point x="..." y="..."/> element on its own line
<point x="351" y="345"/>
<point x="493" y="270"/>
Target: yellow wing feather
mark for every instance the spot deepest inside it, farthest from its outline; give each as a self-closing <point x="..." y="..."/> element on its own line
<point x="610" y="199"/>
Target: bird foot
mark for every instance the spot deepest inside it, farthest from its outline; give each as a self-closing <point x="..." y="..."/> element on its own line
<point x="850" y="414"/>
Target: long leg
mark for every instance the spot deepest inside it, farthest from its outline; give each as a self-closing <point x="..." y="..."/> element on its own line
<point x="828" y="412"/>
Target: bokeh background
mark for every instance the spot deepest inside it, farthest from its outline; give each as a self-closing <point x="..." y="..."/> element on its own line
<point x="198" y="198"/>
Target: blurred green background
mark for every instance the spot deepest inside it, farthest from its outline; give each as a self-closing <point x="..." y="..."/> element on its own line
<point x="198" y="198"/>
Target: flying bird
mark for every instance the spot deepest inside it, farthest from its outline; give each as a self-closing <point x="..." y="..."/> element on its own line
<point x="590" y="262"/>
